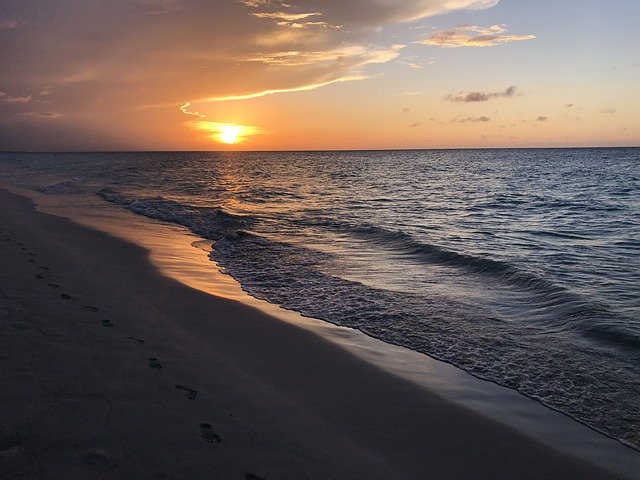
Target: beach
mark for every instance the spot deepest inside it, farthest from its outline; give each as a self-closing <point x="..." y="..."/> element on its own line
<point x="112" y="370"/>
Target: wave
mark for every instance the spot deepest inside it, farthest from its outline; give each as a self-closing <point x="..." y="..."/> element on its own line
<point x="406" y="245"/>
<point x="208" y="222"/>
<point x="535" y="362"/>
<point x="68" y="185"/>
<point x="552" y="306"/>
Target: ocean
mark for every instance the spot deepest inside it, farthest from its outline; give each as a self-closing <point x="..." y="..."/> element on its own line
<point x="519" y="266"/>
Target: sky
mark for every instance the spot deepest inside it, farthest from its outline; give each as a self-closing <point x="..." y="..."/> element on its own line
<point x="79" y="75"/>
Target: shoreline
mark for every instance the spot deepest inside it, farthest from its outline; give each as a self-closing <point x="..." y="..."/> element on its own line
<point x="320" y="421"/>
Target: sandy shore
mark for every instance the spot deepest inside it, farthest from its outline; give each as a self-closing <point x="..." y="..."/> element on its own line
<point x="111" y="370"/>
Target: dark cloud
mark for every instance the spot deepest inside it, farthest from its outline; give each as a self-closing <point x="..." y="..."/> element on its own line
<point x="471" y="97"/>
<point x="472" y="119"/>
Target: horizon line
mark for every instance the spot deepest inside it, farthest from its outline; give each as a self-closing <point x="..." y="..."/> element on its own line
<point x="302" y="150"/>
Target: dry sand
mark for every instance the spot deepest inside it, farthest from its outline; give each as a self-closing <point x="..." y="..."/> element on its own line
<point x="112" y="371"/>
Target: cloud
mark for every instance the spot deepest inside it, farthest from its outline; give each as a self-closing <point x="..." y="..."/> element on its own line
<point x="349" y="59"/>
<point x="371" y="14"/>
<point x="115" y="58"/>
<point x="8" y="24"/>
<point x="185" y="109"/>
<point x="159" y="7"/>
<point x="608" y="110"/>
<point x="472" y="119"/>
<point x="411" y="62"/>
<point x="541" y="119"/>
<point x="12" y="99"/>
<point x="300" y="88"/>
<point x="295" y="20"/>
<point x="406" y="110"/>
<point x="286" y="17"/>
<point x="471" y="97"/>
<point x="353" y="56"/>
<point x="406" y="94"/>
<point x="46" y="115"/>
<point x="416" y="124"/>
<point x="568" y="105"/>
<point x="263" y="3"/>
<point x="473" y="36"/>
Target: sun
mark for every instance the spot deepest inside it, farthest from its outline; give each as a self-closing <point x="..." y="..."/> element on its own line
<point x="225" y="133"/>
<point x="229" y="134"/>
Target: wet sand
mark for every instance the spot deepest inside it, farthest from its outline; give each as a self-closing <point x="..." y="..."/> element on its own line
<point x="111" y="370"/>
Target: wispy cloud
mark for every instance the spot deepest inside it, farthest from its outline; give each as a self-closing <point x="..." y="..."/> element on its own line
<point x="541" y="119"/>
<point x="301" y="88"/>
<point x="608" y="110"/>
<point x="159" y="7"/>
<point x="406" y="94"/>
<point x="185" y="109"/>
<point x="296" y="20"/>
<point x="263" y="3"/>
<point x="8" y="24"/>
<point x="45" y="115"/>
<point x="472" y="119"/>
<point x="12" y="99"/>
<point x="471" y="97"/>
<point x="473" y="36"/>
<point x="414" y="62"/>
<point x="354" y="55"/>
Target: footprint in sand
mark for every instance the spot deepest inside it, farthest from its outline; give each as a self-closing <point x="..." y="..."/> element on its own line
<point x="139" y="341"/>
<point x="101" y="457"/>
<point x="107" y="323"/>
<point x="40" y="277"/>
<point x="188" y="392"/>
<point x="154" y="363"/>
<point x="207" y="433"/>
<point x="65" y="296"/>
<point x="89" y="307"/>
<point x="9" y="447"/>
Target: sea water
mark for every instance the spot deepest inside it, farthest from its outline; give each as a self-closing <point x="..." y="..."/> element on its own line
<point x="521" y="267"/>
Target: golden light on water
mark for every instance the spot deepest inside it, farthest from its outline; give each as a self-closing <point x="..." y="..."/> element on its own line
<point x="226" y="133"/>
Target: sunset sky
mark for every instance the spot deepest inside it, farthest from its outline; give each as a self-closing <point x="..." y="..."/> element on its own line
<point x="302" y="74"/>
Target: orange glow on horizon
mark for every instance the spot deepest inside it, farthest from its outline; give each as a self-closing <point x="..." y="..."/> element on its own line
<point x="225" y="133"/>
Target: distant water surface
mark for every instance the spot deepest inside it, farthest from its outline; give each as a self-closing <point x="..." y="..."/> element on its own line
<point x="519" y="266"/>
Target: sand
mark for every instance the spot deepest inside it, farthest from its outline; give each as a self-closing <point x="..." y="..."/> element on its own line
<point x="111" y="370"/>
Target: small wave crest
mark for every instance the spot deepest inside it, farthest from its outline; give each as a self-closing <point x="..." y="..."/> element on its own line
<point x="404" y="244"/>
<point x="208" y="222"/>
<point x="68" y="185"/>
